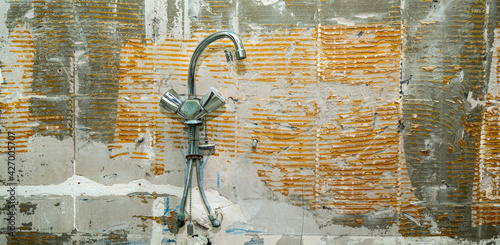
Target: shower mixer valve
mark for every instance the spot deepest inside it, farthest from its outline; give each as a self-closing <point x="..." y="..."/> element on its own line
<point x="193" y="110"/>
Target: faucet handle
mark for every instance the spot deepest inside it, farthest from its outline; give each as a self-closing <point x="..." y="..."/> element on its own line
<point x="207" y="147"/>
<point x="212" y="100"/>
<point x="170" y="101"/>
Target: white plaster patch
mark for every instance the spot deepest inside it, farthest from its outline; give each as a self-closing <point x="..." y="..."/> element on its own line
<point x="30" y="14"/>
<point x="493" y="83"/>
<point x="268" y="2"/>
<point x="220" y="205"/>
<point x="474" y="103"/>
<point x="187" y="21"/>
<point x="343" y="21"/>
<point x="235" y="22"/>
<point x="489" y="186"/>
<point x="412" y="218"/>
<point x="313" y="240"/>
<point x="10" y="81"/>
<point x="81" y="186"/>
<point x="12" y="97"/>
<point x="365" y="15"/>
<point x="438" y="13"/>
<point x="196" y="7"/>
<point x="4" y="32"/>
<point x="156" y="15"/>
<point x="275" y="217"/>
<point x="177" y="30"/>
<point x="255" y="27"/>
<point x="158" y="210"/>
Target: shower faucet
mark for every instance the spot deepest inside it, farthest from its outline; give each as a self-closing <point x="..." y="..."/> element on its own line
<point x="193" y="110"/>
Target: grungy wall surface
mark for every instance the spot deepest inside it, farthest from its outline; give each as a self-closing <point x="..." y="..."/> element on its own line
<point x="378" y="122"/>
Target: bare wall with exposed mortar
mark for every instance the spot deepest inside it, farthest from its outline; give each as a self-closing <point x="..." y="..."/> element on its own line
<point x="377" y="122"/>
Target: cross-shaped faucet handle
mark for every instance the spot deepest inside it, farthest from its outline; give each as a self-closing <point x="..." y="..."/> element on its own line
<point x="192" y="109"/>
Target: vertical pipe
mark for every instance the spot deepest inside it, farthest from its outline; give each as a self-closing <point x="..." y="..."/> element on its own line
<point x="215" y="222"/>
<point x="187" y="189"/>
<point x="200" y="187"/>
<point x="194" y="139"/>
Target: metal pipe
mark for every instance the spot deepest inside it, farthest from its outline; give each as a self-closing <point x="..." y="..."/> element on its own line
<point x="193" y="149"/>
<point x="240" y="54"/>
<point x="187" y="188"/>
<point x="192" y="110"/>
<point x="194" y="139"/>
<point x="215" y="222"/>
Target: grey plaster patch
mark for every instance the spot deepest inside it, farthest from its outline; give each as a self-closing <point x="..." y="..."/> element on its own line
<point x="359" y="240"/>
<point x="130" y="214"/>
<point x="237" y="180"/>
<point x="212" y="15"/>
<point x="48" y="161"/>
<point x="259" y="15"/>
<point x="349" y="12"/>
<point x="43" y="214"/>
<point x="290" y="240"/>
<point x="4" y="31"/>
<point x="94" y="161"/>
<point x="157" y="17"/>
<point x="274" y="217"/>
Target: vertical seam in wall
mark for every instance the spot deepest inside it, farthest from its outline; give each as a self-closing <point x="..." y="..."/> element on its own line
<point x="75" y="73"/>
<point x="73" y="123"/>
<point x="401" y="158"/>
<point x="237" y="13"/>
<point x="74" y="213"/>
<point x="186" y="21"/>
<point x="317" y="155"/>
<point x="488" y="45"/>
<point x="488" y="64"/>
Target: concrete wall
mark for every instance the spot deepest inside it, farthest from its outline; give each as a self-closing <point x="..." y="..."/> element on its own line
<point x="378" y="121"/>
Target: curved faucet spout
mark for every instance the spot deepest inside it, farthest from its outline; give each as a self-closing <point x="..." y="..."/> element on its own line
<point x="240" y="54"/>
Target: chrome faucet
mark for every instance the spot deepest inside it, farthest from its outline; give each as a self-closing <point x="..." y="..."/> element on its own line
<point x="193" y="110"/>
<point x="240" y="54"/>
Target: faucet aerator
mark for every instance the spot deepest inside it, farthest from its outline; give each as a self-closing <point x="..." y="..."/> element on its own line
<point x="241" y="54"/>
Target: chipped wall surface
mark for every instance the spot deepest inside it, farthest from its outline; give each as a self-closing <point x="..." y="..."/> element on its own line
<point x="377" y="121"/>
